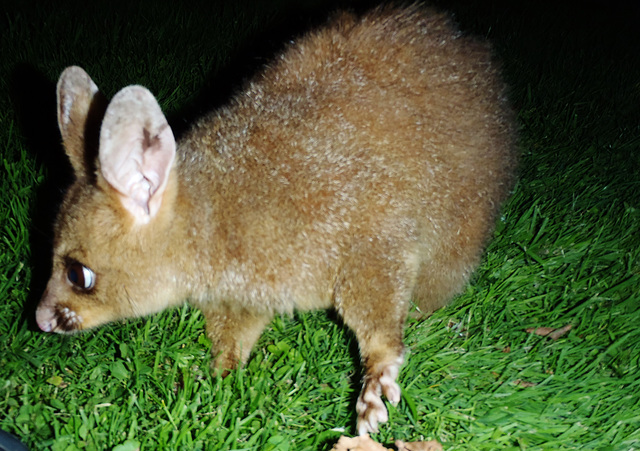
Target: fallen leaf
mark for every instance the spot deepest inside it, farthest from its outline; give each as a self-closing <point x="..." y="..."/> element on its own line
<point x="361" y="443"/>
<point x="365" y="443"/>
<point x="542" y="331"/>
<point x="57" y="381"/>
<point x="550" y="332"/>
<point x="560" y="332"/>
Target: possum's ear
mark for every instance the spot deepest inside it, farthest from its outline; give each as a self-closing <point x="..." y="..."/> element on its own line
<point x="80" y="109"/>
<point x="137" y="149"/>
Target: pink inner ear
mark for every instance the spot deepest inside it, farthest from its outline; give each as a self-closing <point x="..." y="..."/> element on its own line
<point x="156" y="159"/>
<point x="137" y="149"/>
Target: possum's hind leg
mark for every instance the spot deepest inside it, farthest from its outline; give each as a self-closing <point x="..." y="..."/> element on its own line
<point x="233" y="332"/>
<point x="373" y="298"/>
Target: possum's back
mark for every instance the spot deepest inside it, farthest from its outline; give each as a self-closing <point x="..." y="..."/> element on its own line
<point x="388" y="125"/>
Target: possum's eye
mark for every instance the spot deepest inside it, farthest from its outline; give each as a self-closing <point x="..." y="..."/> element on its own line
<point x="81" y="277"/>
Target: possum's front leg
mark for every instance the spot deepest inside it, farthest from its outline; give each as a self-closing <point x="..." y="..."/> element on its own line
<point x="233" y="333"/>
<point x="373" y="299"/>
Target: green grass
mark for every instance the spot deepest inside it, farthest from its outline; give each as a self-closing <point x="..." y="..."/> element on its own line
<point x="566" y="251"/>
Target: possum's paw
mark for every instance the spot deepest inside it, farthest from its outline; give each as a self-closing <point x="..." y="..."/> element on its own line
<point x="66" y="320"/>
<point x="370" y="407"/>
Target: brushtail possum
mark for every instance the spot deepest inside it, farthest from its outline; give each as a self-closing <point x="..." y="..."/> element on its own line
<point x="361" y="170"/>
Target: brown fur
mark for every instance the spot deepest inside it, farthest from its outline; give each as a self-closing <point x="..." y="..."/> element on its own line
<point x="362" y="169"/>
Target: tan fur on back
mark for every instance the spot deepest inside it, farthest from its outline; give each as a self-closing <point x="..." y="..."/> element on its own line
<point x="362" y="131"/>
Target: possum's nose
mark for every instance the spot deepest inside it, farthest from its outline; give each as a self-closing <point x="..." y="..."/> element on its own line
<point x="46" y="318"/>
<point x="46" y="314"/>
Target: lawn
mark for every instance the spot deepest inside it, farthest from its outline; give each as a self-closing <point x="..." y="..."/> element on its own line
<point x="566" y="250"/>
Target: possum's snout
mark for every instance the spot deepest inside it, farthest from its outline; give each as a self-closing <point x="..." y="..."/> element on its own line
<point x="45" y="314"/>
<point x="53" y="317"/>
<point x="57" y="319"/>
<point x="46" y="319"/>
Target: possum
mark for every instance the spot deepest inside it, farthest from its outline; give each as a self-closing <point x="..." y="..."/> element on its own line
<point x="362" y="170"/>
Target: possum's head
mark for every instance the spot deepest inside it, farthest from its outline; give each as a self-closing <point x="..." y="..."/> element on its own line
<point x="107" y="244"/>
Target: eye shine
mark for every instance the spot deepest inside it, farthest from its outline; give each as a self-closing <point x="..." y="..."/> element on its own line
<point x="81" y="277"/>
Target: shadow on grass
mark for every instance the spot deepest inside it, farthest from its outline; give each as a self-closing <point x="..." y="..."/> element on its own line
<point x="34" y="100"/>
<point x="357" y="376"/>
